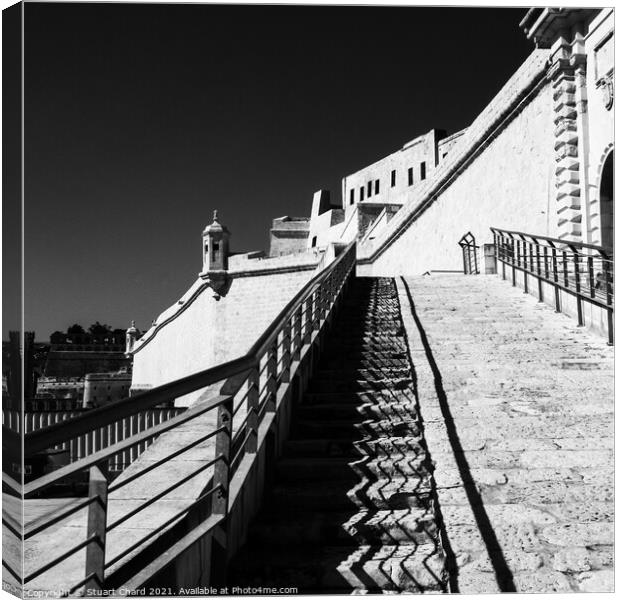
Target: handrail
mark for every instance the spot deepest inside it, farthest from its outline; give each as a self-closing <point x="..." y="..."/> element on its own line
<point x="588" y="276"/>
<point x="55" y="434"/>
<point x="261" y="380"/>
<point x="606" y="252"/>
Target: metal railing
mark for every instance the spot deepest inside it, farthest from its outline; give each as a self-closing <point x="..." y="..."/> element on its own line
<point x="250" y="391"/>
<point x="584" y="271"/>
<point x="470" y="254"/>
<point x="96" y="439"/>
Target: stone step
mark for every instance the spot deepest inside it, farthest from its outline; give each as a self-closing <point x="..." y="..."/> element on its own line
<point x="368" y="374"/>
<point x="317" y="469"/>
<point x="353" y="385"/>
<point x="310" y="570"/>
<point x="392" y="469"/>
<point x="331" y="495"/>
<point x="348" y="410"/>
<point x="373" y="429"/>
<point x="408" y="526"/>
<point x="319" y="447"/>
<point x="356" y="353"/>
<point x="373" y="362"/>
<point x="396" y="568"/>
<point x="379" y="336"/>
<point x="413" y="492"/>
<point x="344" y="569"/>
<point x="360" y="397"/>
<point x="406" y="445"/>
<point x="335" y="429"/>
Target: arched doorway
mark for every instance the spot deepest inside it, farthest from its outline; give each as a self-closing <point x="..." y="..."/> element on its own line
<point x="607" y="202"/>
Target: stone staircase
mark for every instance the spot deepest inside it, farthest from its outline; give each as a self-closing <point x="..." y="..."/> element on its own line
<point x="351" y="507"/>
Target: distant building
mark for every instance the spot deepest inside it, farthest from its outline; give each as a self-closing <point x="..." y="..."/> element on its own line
<point x="102" y="388"/>
<point x="289" y="235"/>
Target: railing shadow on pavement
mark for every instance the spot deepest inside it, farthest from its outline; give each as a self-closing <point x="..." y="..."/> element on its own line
<point x="503" y="574"/>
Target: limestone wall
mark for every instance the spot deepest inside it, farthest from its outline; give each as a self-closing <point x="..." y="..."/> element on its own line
<point x="500" y="173"/>
<point x="210" y="331"/>
<point x="376" y="180"/>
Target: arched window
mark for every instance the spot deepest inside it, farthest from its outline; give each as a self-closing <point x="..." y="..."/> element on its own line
<point x="607" y="202"/>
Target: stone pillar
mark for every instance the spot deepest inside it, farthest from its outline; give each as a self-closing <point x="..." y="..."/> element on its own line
<point x="567" y="75"/>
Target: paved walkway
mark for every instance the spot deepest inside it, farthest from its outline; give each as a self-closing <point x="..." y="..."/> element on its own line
<point x="517" y="405"/>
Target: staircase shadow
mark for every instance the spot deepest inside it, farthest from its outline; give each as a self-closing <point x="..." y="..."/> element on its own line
<point x="351" y="508"/>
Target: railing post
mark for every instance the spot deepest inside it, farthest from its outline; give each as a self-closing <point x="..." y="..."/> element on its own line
<point x="525" y="280"/>
<point x="221" y="469"/>
<point x="554" y="261"/>
<point x="540" y="289"/>
<point x="308" y="320"/>
<point x="97" y="517"/>
<point x="297" y="336"/>
<point x="591" y="276"/>
<point x="580" y="321"/>
<point x="609" y="291"/>
<point x="286" y="353"/>
<point x="272" y="380"/>
<point x="252" y="419"/>
<point x="316" y="308"/>
<point x="513" y="260"/>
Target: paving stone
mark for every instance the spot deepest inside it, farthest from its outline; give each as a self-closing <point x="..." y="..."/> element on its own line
<point x="542" y="581"/>
<point x="573" y="560"/>
<point x="531" y="398"/>
<point x="517" y="560"/>
<point x="579" y="534"/>
<point x="596" y="581"/>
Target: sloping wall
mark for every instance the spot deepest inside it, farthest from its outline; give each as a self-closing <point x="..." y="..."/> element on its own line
<point x="500" y="173"/>
<point x="205" y="330"/>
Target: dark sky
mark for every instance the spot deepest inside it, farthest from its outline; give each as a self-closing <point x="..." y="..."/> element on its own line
<point x="141" y="119"/>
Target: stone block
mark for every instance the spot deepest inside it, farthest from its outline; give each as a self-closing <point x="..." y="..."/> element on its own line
<point x="596" y="581"/>
<point x="542" y="581"/>
<point x="564" y="111"/>
<point x="579" y="534"/>
<point x="566" y="137"/>
<point x="566" y="151"/>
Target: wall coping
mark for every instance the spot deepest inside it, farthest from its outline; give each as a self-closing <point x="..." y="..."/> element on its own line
<point x="494" y="118"/>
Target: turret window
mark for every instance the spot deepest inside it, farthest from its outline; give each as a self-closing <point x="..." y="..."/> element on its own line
<point x="376" y="186"/>
<point x="422" y="170"/>
<point x="393" y="178"/>
<point x="369" y="189"/>
<point x="410" y="175"/>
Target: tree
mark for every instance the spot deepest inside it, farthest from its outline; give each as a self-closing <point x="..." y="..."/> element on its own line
<point x="75" y="329"/>
<point x="58" y="337"/>
<point x="99" y="329"/>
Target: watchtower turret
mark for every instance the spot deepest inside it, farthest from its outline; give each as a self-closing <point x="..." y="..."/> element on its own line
<point x="215" y="255"/>
<point x="215" y="246"/>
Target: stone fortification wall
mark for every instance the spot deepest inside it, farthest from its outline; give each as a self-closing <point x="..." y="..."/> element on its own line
<point x="205" y="330"/>
<point x="499" y="173"/>
<point x="374" y="183"/>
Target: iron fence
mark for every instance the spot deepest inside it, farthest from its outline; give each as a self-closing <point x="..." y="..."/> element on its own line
<point x="584" y="271"/>
<point x="96" y="439"/>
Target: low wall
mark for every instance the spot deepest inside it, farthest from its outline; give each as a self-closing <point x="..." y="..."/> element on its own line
<point x="500" y="173"/>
